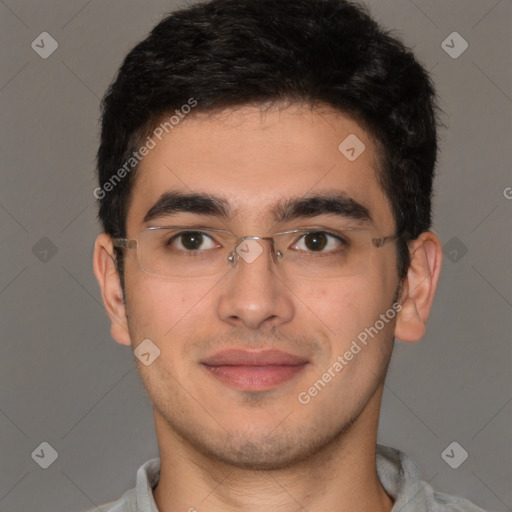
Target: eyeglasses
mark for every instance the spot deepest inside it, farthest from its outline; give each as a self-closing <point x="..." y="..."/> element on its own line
<point x="190" y="252"/>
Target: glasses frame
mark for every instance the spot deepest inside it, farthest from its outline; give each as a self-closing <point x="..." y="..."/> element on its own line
<point x="233" y="256"/>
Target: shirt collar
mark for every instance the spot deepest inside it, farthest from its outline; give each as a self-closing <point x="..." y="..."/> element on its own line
<point x="398" y="474"/>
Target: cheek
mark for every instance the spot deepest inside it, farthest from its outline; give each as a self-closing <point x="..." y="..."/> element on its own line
<point x="347" y="306"/>
<point x="335" y="308"/>
<point x="158" y="306"/>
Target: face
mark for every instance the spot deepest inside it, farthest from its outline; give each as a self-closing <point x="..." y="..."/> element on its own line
<point x="262" y="415"/>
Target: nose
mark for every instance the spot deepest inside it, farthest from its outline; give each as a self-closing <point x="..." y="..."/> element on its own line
<point x="253" y="294"/>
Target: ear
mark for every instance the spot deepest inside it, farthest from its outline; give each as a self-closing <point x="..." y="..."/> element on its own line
<point x="419" y="287"/>
<point x="108" y="278"/>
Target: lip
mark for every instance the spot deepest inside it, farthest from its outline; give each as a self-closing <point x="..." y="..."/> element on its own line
<point x="254" y="371"/>
<point x="239" y="357"/>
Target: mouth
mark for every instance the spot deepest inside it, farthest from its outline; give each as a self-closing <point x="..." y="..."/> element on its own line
<point x="254" y="371"/>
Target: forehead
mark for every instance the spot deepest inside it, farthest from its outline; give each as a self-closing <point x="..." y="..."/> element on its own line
<point x="257" y="159"/>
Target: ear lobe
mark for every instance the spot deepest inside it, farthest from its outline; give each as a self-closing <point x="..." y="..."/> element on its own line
<point x="419" y="287"/>
<point x="112" y="294"/>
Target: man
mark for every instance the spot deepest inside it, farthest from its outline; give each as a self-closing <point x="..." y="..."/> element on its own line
<point x="265" y="178"/>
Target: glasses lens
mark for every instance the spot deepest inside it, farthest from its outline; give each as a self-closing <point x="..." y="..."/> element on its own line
<point x="183" y="252"/>
<point x="315" y="254"/>
<point x="325" y="254"/>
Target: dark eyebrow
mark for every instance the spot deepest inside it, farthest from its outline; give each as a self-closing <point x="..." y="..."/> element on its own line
<point x="337" y="203"/>
<point x="175" y="201"/>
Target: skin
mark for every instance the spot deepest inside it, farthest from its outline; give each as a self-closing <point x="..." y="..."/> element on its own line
<point x="223" y="449"/>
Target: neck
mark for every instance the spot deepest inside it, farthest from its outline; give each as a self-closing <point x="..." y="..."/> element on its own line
<point x="341" y="476"/>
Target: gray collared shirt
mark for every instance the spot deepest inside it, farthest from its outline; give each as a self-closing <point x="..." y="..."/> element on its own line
<point x="398" y="474"/>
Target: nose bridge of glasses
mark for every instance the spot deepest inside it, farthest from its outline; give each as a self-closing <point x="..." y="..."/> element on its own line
<point x="269" y="238"/>
<point x="249" y="248"/>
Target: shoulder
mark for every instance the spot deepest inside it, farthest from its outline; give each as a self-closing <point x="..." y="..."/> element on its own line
<point x="401" y="478"/>
<point x="447" y="503"/>
<point x="140" y="498"/>
<point x="126" y="503"/>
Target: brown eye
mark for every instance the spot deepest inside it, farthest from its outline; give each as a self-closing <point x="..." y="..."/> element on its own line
<point x="315" y="241"/>
<point x="192" y="241"/>
<point x="319" y="242"/>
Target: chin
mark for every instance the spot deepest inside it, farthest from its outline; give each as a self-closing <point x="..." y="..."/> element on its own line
<point x="262" y="456"/>
<point x="264" y="448"/>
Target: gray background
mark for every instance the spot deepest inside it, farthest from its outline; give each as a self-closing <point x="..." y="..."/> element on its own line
<point x="64" y="381"/>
